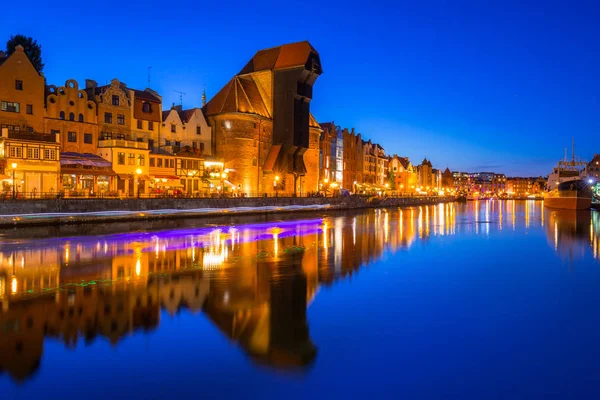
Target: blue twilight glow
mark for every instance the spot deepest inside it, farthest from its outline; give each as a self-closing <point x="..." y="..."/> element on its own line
<point x="472" y="85"/>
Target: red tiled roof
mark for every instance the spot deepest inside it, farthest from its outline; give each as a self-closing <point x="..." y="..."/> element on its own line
<point x="142" y="94"/>
<point x="165" y="115"/>
<point x="186" y="115"/>
<point x="285" y="56"/>
<point x="239" y="95"/>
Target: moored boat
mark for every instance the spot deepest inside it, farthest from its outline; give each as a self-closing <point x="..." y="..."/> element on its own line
<point x="575" y="194"/>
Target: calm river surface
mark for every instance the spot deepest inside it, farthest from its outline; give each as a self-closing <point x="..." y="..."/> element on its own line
<point x="485" y="300"/>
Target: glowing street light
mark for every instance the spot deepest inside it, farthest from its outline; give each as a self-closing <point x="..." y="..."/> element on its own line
<point x="14" y="167"/>
<point x="276" y="185"/>
<point x="138" y="173"/>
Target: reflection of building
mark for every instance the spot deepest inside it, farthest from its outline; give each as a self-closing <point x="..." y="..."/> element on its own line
<point x="573" y="233"/>
<point x="253" y="281"/>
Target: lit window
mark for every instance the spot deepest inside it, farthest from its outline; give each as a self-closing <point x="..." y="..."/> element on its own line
<point x="33" y="153"/>
<point x="72" y="136"/>
<point x="121" y="158"/>
<point x="10" y="107"/>
<point x="141" y="161"/>
<point x="49" y="154"/>
<point x="131" y="159"/>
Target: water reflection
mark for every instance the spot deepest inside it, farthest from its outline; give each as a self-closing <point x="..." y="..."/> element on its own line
<point x="253" y="281"/>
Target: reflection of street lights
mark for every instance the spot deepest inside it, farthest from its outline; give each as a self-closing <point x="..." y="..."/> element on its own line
<point x="354" y="187"/>
<point x="276" y="185"/>
<point x="14" y="167"/>
<point x="138" y="172"/>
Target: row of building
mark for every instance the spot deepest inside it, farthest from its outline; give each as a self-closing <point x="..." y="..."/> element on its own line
<point x="255" y="136"/>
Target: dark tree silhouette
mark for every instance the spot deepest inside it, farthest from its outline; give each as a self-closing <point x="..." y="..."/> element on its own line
<point x="31" y="47"/>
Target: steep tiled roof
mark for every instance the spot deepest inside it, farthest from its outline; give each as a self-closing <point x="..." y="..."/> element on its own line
<point x="186" y="115"/>
<point x="142" y="94"/>
<point x="239" y="95"/>
<point x="285" y="56"/>
<point x="312" y="122"/>
<point x="165" y="115"/>
<point x="326" y="125"/>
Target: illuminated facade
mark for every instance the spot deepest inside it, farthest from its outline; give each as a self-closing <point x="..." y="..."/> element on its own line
<point x="262" y="125"/>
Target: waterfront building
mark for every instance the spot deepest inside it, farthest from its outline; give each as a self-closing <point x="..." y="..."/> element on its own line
<point x="71" y="116"/>
<point x="21" y="93"/>
<point x="262" y="125"/>
<point x="403" y="175"/>
<point x="352" y="160"/>
<point x="181" y="128"/>
<point x="519" y="187"/>
<point x="30" y="164"/>
<point x="163" y="177"/>
<point x="29" y="158"/>
<point x="146" y="117"/>
<point x="447" y="180"/>
<point x="128" y="154"/>
<point x="498" y="184"/>
<point x="332" y="155"/>
<point x="592" y="170"/>
<point x="425" y="176"/>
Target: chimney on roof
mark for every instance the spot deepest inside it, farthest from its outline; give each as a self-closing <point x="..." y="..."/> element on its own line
<point x="91" y="84"/>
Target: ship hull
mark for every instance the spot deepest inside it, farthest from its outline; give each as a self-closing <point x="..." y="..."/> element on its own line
<point x="568" y="203"/>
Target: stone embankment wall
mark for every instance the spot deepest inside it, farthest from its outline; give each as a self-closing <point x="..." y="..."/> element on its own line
<point x="13" y="213"/>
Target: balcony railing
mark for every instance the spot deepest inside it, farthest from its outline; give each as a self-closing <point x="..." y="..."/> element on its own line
<point x="122" y="143"/>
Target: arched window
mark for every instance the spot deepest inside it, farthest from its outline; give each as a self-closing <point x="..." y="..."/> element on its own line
<point x="71" y="117"/>
<point x="80" y="117"/>
<point x="62" y="115"/>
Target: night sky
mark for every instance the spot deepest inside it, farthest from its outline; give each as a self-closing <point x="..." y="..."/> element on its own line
<point x="470" y="85"/>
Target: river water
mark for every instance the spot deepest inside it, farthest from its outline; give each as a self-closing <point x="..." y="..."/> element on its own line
<point x="484" y="300"/>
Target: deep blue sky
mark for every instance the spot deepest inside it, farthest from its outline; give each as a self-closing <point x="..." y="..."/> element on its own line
<point x="483" y="85"/>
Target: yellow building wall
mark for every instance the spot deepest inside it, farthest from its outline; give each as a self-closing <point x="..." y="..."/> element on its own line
<point x="17" y="67"/>
<point x="71" y="101"/>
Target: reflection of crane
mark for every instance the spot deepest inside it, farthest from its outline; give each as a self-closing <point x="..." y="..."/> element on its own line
<point x="181" y="94"/>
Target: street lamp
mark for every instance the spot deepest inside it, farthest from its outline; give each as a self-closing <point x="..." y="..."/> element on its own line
<point x="138" y="172"/>
<point x="14" y="167"/>
<point x="276" y="185"/>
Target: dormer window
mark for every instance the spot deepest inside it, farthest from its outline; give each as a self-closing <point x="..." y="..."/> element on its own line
<point x="146" y="107"/>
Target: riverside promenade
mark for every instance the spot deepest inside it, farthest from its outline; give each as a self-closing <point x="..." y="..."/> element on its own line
<point x="14" y="213"/>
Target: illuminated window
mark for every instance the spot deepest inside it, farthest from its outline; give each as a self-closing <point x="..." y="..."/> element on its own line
<point x="33" y="153"/>
<point x="121" y="159"/>
<point x="131" y="159"/>
<point x="49" y="154"/>
<point x="141" y="161"/>
<point x="72" y="136"/>
<point x="16" y="152"/>
<point x="152" y="161"/>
